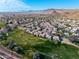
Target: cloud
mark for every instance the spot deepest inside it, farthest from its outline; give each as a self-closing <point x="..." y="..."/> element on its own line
<point x="13" y="6"/>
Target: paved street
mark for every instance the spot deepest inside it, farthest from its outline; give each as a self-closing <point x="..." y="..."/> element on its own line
<point x="7" y="54"/>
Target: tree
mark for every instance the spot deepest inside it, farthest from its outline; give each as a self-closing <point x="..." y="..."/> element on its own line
<point x="11" y="44"/>
<point x="19" y="49"/>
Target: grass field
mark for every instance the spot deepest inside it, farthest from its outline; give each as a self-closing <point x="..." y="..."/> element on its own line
<point x="2" y="24"/>
<point x="32" y="43"/>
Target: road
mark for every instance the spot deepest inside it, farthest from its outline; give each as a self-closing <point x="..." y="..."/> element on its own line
<point x="7" y="54"/>
<point x="66" y="41"/>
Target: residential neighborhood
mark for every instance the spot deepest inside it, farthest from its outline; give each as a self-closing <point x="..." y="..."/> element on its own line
<point x="47" y="26"/>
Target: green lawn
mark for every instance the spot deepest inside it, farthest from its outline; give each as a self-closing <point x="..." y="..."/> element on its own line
<point x="45" y="47"/>
<point x="2" y="24"/>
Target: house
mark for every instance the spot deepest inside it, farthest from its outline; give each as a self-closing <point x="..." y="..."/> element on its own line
<point x="74" y="38"/>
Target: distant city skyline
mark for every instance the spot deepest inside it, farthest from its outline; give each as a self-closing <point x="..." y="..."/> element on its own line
<point x="24" y="5"/>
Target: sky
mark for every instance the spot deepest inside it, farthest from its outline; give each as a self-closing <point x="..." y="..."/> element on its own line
<point x="24" y="5"/>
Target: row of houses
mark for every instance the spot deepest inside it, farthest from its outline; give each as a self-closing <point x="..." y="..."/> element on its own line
<point x="47" y="27"/>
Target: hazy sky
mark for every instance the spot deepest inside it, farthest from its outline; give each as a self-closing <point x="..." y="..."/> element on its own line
<point x="23" y="5"/>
